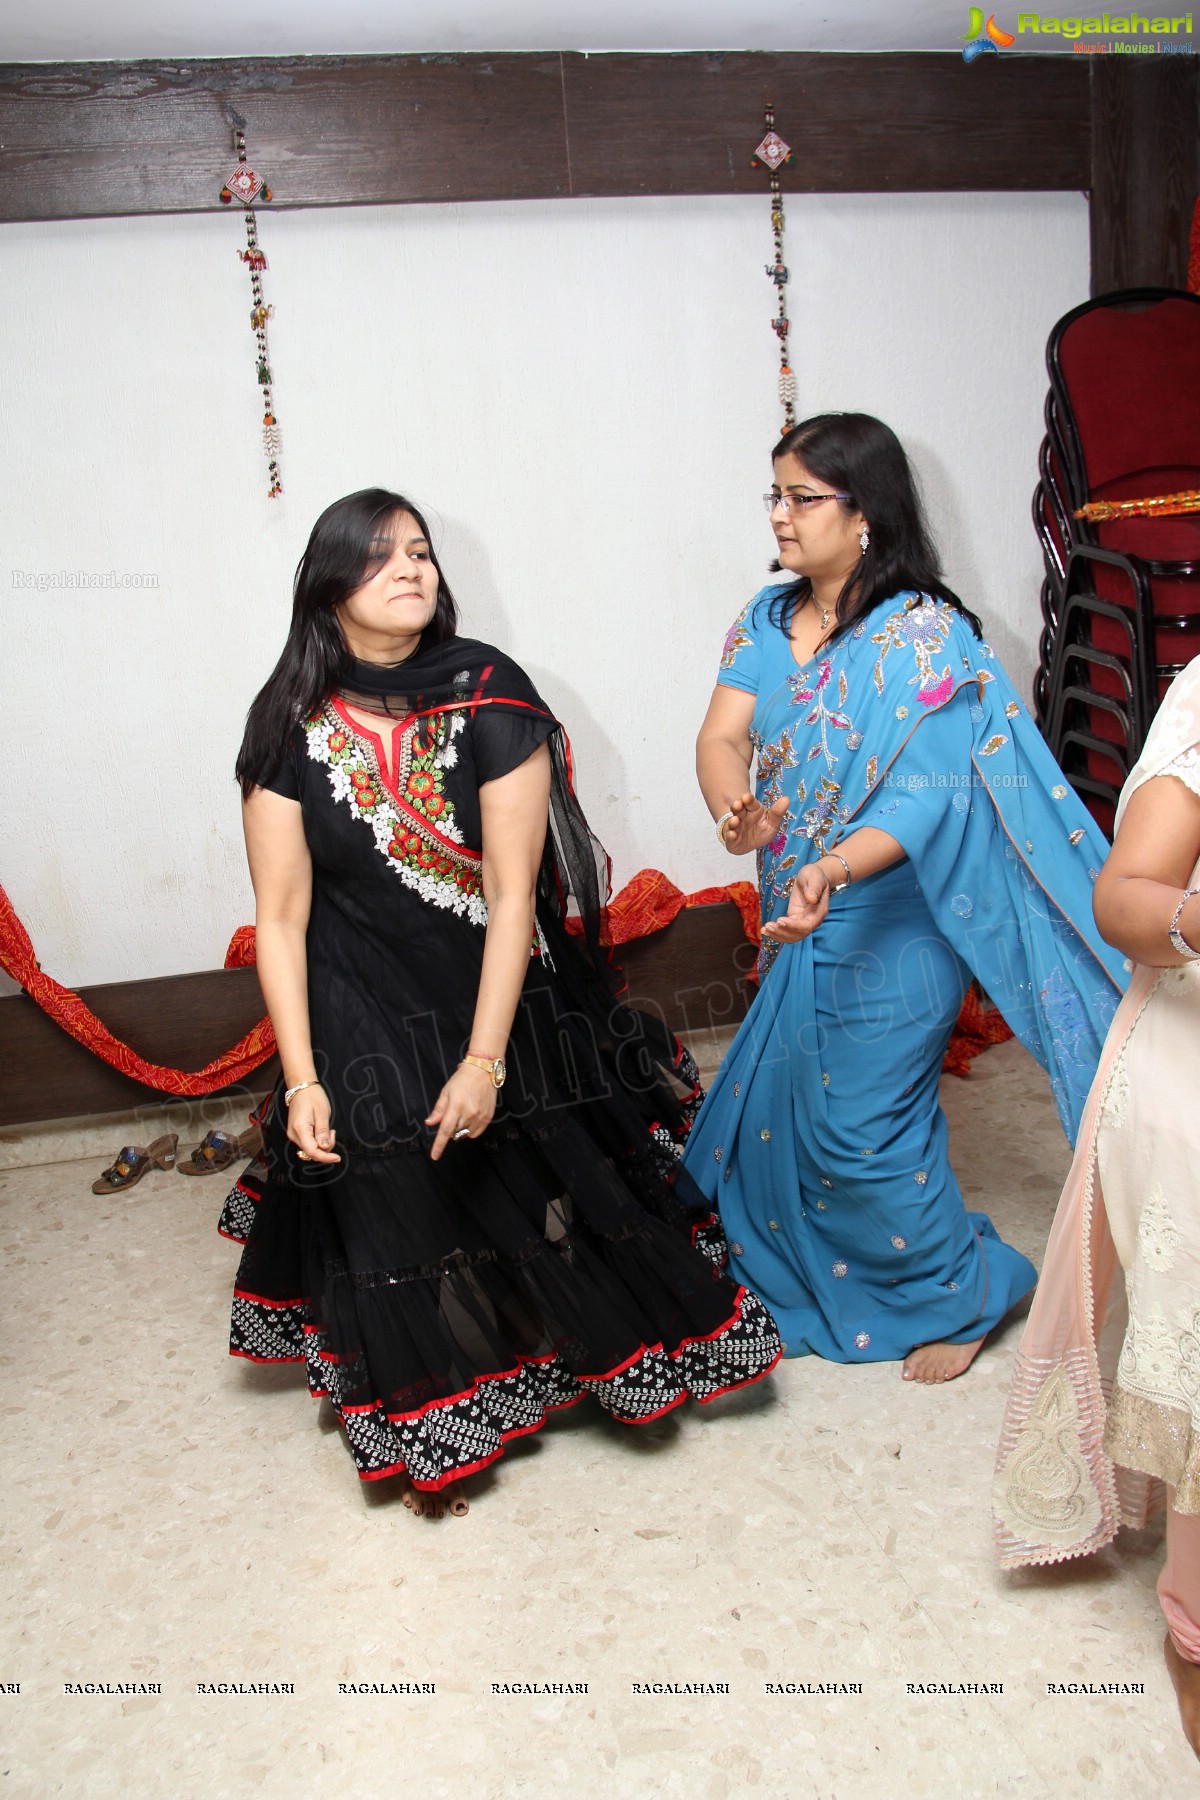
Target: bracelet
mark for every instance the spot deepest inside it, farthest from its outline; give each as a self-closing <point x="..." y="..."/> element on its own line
<point x="841" y="886"/>
<point x="1178" y="941"/>
<point x="289" y="1094"/>
<point x="722" y="822"/>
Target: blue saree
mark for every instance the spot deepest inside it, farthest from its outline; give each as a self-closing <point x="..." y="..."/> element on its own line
<point x="822" y="1141"/>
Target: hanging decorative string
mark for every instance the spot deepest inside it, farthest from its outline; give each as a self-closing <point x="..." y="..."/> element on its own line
<point x="246" y="186"/>
<point x="772" y="154"/>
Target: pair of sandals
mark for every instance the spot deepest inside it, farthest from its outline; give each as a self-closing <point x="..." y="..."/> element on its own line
<point x="217" y="1151"/>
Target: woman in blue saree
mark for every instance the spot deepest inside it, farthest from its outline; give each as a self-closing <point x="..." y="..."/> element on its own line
<point x="912" y="830"/>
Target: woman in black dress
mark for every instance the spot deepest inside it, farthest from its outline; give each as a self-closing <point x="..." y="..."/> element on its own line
<point x="469" y="1211"/>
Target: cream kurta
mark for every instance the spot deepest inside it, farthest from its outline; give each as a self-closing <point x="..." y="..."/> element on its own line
<point x="1148" y="1155"/>
<point x="1105" y="1399"/>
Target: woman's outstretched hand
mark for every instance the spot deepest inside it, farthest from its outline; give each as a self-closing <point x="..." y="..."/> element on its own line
<point x="753" y="825"/>
<point x="807" y="905"/>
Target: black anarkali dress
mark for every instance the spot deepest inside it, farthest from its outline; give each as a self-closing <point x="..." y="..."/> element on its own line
<point x="447" y="1307"/>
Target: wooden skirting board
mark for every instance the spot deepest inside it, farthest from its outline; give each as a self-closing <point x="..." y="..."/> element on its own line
<point x="692" y="974"/>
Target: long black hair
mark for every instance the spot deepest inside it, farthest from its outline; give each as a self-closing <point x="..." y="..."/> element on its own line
<point x="863" y="457"/>
<point x="350" y="541"/>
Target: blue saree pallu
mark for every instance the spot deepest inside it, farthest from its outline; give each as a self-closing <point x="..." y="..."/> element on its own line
<point x="822" y="1141"/>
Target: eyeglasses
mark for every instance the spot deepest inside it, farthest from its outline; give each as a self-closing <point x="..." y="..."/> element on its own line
<point x="788" y="501"/>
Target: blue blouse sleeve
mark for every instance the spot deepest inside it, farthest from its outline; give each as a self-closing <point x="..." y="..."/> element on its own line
<point x="742" y="655"/>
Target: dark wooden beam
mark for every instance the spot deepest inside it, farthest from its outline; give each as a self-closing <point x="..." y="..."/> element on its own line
<point x="1145" y="169"/>
<point x="87" y="140"/>
<point x="692" y="975"/>
<point x="858" y="124"/>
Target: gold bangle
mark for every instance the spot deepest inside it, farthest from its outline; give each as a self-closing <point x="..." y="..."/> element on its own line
<point x="722" y="822"/>
<point x="289" y="1094"/>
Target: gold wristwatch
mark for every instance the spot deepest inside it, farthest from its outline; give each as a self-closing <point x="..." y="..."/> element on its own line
<point x="493" y="1068"/>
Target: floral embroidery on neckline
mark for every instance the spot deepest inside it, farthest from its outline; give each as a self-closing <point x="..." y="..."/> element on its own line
<point x="413" y="821"/>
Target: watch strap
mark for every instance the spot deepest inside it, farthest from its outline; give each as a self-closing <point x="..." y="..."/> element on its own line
<point x="493" y="1067"/>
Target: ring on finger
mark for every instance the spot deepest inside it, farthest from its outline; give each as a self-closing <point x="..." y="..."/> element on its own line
<point x="464" y="1131"/>
<point x="303" y="1156"/>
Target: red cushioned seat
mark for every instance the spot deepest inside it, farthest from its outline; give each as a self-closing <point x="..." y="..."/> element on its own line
<point x="1121" y="598"/>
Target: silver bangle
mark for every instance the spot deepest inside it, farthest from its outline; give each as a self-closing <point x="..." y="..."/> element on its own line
<point x="722" y="822"/>
<point x="1178" y="941"/>
<point x="289" y="1094"/>
<point x="841" y="885"/>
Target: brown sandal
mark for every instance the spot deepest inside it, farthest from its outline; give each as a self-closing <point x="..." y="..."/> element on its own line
<point x="219" y="1149"/>
<point x="132" y="1162"/>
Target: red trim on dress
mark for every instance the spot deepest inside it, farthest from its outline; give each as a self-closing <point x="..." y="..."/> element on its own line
<point x="708" y="1337"/>
<point x="466" y="1393"/>
<point x="479" y="1385"/>
<point x="749" y="1381"/>
<point x="447" y="1480"/>
<point x="261" y="1299"/>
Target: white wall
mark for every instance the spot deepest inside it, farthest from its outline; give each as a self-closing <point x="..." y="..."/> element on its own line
<point x="582" y="395"/>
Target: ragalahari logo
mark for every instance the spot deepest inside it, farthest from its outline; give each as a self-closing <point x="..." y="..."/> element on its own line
<point x="982" y="38"/>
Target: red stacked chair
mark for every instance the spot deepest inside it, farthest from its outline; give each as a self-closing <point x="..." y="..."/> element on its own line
<point x="1121" y="599"/>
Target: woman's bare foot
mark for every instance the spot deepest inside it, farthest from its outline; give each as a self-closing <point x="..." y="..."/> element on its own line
<point x="1186" y="1677"/>
<point x="428" y="1504"/>
<point x="939" y="1362"/>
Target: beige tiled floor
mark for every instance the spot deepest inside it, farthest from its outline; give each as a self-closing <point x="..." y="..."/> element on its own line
<point x="172" y="1516"/>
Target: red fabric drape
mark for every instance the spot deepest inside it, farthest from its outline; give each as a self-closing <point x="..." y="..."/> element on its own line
<point x="649" y="902"/>
<point x="645" y="905"/>
<point x="65" y="1007"/>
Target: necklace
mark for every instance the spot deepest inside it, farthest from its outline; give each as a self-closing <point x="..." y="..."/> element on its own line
<point x="824" y="613"/>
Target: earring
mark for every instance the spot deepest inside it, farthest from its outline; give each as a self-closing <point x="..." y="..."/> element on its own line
<point x="864" y="538"/>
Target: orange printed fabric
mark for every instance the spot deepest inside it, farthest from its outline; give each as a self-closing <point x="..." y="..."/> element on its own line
<point x="76" y="1018"/>
<point x="649" y="902"/>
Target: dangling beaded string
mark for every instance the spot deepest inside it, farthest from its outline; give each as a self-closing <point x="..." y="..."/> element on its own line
<point x="771" y="154"/>
<point x="245" y="185"/>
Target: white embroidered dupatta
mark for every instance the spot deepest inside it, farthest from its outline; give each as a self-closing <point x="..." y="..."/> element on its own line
<point x="1058" y="1492"/>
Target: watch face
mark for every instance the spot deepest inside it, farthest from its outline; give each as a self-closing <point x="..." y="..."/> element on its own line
<point x="499" y="1072"/>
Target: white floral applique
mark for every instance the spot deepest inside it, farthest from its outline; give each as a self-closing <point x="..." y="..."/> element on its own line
<point x="1116" y="1100"/>
<point x="1179" y="983"/>
<point x="1045" y="1491"/>
<point x="1158" y="1235"/>
<point x="1149" y="1356"/>
<point x="1188" y="1374"/>
<point x="1186" y="767"/>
